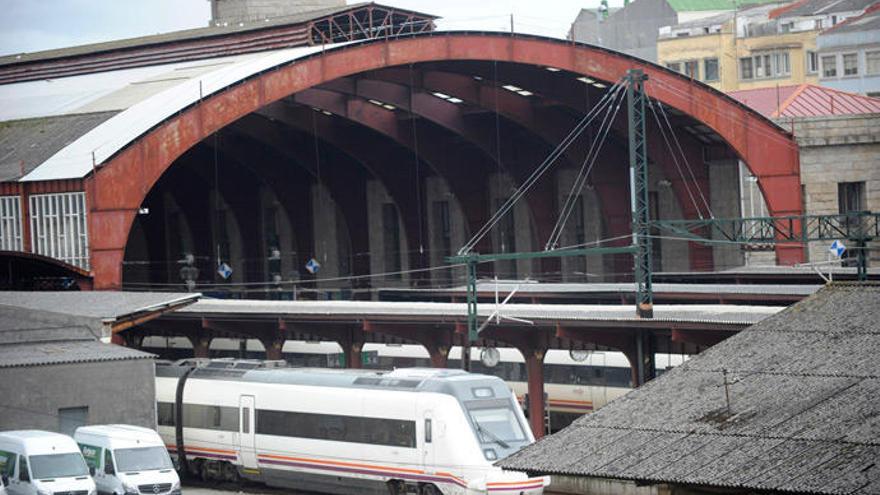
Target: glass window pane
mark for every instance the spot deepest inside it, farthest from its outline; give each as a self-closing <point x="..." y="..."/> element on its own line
<point x="710" y="69"/>
<point x="829" y="66"/>
<point x="745" y="65"/>
<point x="850" y="64"/>
<point x="872" y="62"/>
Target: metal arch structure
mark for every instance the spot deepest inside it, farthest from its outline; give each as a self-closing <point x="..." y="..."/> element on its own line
<point x="120" y="184"/>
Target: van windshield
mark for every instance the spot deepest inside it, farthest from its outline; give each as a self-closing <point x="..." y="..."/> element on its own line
<point x="142" y="459"/>
<point x="58" y="466"/>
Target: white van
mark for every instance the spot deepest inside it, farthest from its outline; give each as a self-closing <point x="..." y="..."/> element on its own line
<point x="127" y="460"/>
<point x="36" y="462"/>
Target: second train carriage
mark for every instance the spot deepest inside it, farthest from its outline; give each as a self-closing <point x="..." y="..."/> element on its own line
<point x="345" y="431"/>
<point x="573" y="386"/>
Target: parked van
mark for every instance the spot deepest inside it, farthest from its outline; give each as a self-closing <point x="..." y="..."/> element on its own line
<point x="127" y="460"/>
<point x="36" y="462"/>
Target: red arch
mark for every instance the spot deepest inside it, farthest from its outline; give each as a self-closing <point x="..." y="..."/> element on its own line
<point x="120" y="185"/>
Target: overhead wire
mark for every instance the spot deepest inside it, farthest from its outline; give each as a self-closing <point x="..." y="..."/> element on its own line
<point x="683" y="156"/>
<point x="586" y="168"/>
<point x="675" y="159"/>
<point x="543" y="167"/>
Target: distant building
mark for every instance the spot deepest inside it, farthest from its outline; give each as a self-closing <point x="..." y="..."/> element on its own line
<point x="755" y="47"/>
<point x="839" y="138"/>
<point x="225" y="12"/>
<point x="786" y="406"/>
<point x="633" y="29"/>
<point x="57" y="374"/>
<point x="849" y="54"/>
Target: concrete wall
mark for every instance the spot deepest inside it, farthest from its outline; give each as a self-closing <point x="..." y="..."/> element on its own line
<point x="377" y="198"/>
<point x="582" y="485"/>
<point x="588" y="268"/>
<point x="725" y="202"/>
<point x="436" y="192"/>
<point x="633" y="29"/>
<point x="32" y="395"/>
<point x="502" y="187"/>
<point x="835" y="149"/>
<point x="235" y="11"/>
<point x="332" y="246"/>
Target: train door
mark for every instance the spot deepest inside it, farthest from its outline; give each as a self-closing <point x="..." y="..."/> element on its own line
<point x="428" y="438"/>
<point x="247" y="451"/>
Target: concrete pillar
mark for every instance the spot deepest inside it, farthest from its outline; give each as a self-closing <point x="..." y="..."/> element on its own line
<point x="273" y="349"/>
<point x="439" y="355"/>
<point x="201" y="346"/>
<point x="535" y="376"/>
<point x="352" y="350"/>
<point x="724" y="198"/>
<point x="641" y="357"/>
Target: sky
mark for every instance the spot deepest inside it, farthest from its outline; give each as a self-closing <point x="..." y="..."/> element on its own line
<point x="35" y="25"/>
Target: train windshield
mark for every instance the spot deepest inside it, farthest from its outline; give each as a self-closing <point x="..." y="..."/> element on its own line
<point x="497" y="424"/>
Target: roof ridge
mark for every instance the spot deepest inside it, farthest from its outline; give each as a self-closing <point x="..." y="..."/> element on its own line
<point x="780" y="111"/>
<point x="869" y="10"/>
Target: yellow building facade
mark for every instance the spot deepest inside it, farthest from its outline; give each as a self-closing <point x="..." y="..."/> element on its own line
<point x="729" y="63"/>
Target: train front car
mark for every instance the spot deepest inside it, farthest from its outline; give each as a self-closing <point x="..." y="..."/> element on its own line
<point x="346" y="431"/>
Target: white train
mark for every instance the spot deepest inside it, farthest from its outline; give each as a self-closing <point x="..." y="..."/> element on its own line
<point x="575" y="384"/>
<point x="344" y="431"/>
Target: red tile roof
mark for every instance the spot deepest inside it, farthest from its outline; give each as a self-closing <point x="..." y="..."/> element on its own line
<point x="805" y="100"/>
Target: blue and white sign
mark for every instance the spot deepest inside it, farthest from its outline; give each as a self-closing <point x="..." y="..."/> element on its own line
<point x="837" y="248"/>
<point x="313" y="266"/>
<point x="224" y="270"/>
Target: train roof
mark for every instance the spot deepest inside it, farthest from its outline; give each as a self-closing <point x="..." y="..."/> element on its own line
<point x="448" y="381"/>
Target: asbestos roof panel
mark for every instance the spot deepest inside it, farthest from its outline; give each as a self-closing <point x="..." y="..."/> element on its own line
<point x="24" y="144"/>
<point x="824" y="7"/>
<point x="17" y="355"/>
<point x="870" y="21"/>
<point x="105" y="305"/>
<point x="506" y="287"/>
<point x="662" y="313"/>
<point x="802" y="417"/>
<point x="805" y="100"/>
<point x="104" y="141"/>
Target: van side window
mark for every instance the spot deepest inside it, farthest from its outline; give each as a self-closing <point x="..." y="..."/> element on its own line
<point x="7" y="463"/>
<point x="108" y="462"/>
<point x="23" y="474"/>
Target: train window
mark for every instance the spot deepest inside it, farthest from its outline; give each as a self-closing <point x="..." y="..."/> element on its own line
<point x="245" y="420"/>
<point x="165" y="413"/>
<point x="375" y="431"/>
<point x="427" y="430"/>
<point x="210" y="417"/>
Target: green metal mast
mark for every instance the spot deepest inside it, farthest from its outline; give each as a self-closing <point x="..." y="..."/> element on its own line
<point x="638" y="174"/>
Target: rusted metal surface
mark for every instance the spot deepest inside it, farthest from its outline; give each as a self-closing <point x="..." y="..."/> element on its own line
<point x="123" y="181"/>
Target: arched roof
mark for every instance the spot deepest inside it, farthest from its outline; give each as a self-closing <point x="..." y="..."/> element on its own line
<point x="141" y="142"/>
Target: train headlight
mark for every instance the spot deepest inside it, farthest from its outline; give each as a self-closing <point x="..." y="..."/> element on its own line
<point x="490" y="454"/>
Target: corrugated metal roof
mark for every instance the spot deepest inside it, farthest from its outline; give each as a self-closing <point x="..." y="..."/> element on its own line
<point x="869" y="21"/>
<point x="803" y="414"/>
<point x="822" y="7"/>
<point x="696" y="313"/>
<point x="805" y="100"/>
<point x="505" y="287"/>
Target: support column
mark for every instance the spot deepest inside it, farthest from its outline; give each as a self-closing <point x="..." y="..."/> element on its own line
<point x="201" y="346"/>
<point x="642" y="358"/>
<point x="439" y="355"/>
<point x="535" y="376"/>
<point x="273" y="349"/>
<point x="353" y="354"/>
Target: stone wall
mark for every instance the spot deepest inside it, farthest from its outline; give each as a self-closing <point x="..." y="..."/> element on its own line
<point x="835" y="149"/>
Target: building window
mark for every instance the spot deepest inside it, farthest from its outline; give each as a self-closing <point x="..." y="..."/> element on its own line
<point x="812" y="62"/>
<point x="746" y="71"/>
<point x="10" y="223"/>
<point x="391" y="232"/>
<point x="676" y="66"/>
<point x="829" y="66"/>
<point x="850" y="64"/>
<point x="59" y="229"/>
<point x="872" y="62"/>
<point x="710" y="69"/>
<point x="692" y="69"/>
<point x="850" y="197"/>
<point x="781" y="64"/>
